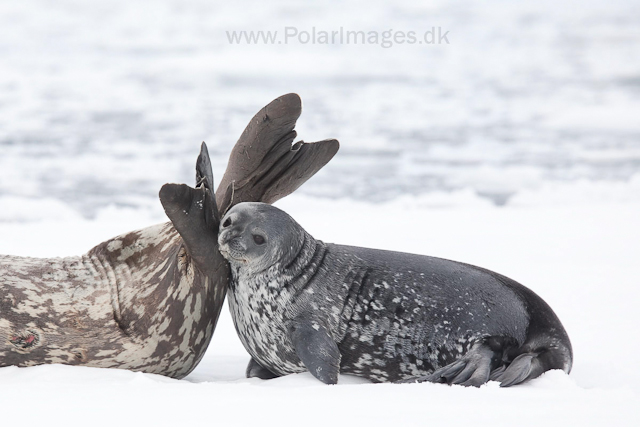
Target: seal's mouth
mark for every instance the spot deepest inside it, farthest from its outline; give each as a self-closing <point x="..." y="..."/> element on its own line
<point x="231" y="255"/>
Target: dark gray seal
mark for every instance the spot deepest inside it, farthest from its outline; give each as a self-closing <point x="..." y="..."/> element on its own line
<point x="300" y="304"/>
<point x="149" y="300"/>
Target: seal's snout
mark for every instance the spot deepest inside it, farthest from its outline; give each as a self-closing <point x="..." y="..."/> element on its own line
<point x="239" y="237"/>
<point x="231" y="245"/>
<point x="227" y="235"/>
<point x="228" y="228"/>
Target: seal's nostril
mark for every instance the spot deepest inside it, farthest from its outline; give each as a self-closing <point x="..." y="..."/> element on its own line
<point x="227" y="222"/>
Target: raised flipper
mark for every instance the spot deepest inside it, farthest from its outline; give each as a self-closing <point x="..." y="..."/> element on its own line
<point x="256" y="370"/>
<point x="316" y="349"/>
<point x="194" y="214"/>
<point x="264" y="166"/>
<point x="292" y="170"/>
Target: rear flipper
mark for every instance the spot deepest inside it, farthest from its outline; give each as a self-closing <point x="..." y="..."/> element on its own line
<point x="527" y="366"/>
<point x="195" y="216"/>
<point x="472" y="369"/>
<point x="264" y="165"/>
<point x="540" y="354"/>
<point x="256" y="370"/>
<point x="524" y="367"/>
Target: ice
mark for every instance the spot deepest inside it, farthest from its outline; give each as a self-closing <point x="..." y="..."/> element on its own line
<point x="516" y="147"/>
<point x="582" y="259"/>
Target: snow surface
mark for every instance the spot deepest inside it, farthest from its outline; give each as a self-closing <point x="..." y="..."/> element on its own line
<point x="516" y="148"/>
<point x="583" y="260"/>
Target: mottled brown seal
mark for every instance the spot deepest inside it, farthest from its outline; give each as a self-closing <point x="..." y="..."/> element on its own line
<point x="149" y="300"/>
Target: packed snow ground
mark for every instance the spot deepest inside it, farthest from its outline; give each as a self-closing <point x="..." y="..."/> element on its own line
<point x="532" y="105"/>
<point x="581" y="258"/>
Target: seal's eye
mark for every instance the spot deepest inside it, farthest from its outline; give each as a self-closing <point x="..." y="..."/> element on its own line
<point x="258" y="239"/>
<point x="227" y="222"/>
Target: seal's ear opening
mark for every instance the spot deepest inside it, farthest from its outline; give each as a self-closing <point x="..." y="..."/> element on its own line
<point x="264" y="166"/>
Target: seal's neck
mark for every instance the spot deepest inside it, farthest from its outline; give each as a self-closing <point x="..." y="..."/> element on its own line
<point x="290" y="276"/>
<point x="299" y="272"/>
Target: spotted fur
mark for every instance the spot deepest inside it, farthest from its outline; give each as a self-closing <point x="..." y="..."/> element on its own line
<point x="134" y="302"/>
<point x="393" y="316"/>
<point x="149" y="300"/>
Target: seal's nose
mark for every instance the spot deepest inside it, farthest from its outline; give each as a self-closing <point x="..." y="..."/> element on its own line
<point x="228" y="220"/>
<point x="231" y="228"/>
<point x="226" y="235"/>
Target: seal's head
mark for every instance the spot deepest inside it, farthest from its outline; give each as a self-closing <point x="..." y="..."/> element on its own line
<point x="256" y="236"/>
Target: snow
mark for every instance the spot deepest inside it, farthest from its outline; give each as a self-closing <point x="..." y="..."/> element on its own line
<point x="581" y="259"/>
<point x="515" y="147"/>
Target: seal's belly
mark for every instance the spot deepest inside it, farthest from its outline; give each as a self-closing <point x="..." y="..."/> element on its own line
<point x="261" y="329"/>
<point x="53" y="311"/>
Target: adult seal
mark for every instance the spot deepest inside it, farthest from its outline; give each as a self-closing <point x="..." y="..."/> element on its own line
<point x="300" y="304"/>
<point x="149" y="300"/>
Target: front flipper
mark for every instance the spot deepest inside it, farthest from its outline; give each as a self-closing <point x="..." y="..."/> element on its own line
<point x="316" y="349"/>
<point x="256" y="370"/>
<point x="195" y="216"/>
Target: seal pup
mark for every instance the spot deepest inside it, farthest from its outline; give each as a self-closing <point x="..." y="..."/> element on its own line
<point x="149" y="300"/>
<point x="300" y="304"/>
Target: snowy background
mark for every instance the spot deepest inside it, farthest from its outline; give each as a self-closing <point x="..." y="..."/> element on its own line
<point x="515" y="147"/>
